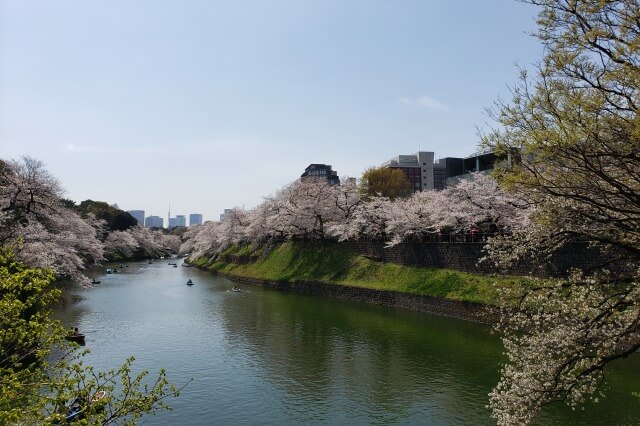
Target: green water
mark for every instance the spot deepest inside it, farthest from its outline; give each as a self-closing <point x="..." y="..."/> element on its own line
<point x="268" y="357"/>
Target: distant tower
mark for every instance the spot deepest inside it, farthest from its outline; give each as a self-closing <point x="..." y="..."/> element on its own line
<point x="169" y="216"/>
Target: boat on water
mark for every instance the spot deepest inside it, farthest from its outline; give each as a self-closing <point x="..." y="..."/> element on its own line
<point x="94" y="281"/>
<point x="77" y="338"/>
<point x="236" y="289"/>
<point x="75" y="408"/>
<point x="189" y="282"/>
<point x="109" y="271"/>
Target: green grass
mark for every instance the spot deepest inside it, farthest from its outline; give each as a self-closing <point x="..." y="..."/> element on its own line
<point x="298" y="261"/>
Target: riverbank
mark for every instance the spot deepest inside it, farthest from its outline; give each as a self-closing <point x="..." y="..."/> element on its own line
<point x="335" y="271"/>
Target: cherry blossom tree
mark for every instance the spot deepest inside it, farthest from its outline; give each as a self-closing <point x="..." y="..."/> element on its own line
<point x="38" y="226"/>
<point x="151" y="244"/>
<point x="369" y="220"/>
<point x="120" y="245"/>
<point x="415" y="217"/>
<point x="304" y="209"/>
<point x="482" y="203"/>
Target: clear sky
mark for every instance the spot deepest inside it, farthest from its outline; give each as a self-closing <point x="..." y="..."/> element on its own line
<point x="213" y="104"/>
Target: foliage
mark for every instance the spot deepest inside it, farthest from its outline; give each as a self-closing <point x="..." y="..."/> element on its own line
<point x="115" y="219"/>
<point x="47" y="231"/>
<point x="385" y="182"/>
<point x="40" y="372"/>
<point x="577" y="127"/>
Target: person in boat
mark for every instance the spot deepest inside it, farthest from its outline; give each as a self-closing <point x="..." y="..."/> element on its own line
<point x="75" y="331"/>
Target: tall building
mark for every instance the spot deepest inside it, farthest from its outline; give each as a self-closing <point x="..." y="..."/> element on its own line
<point x="179" y="220"/>
<point x="322" y="171"/>
<point x="154" y="222"/>
<point x="138" y="214"/>
<point x="195" y="219"/>
<point x="418" y="168"/>
<point x="224" y="215"/>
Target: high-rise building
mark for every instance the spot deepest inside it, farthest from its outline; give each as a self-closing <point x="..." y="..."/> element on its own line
<point x="225" y="214"/>
<point x="418" y="168"/>
<point x="179" y="220"/>
<point x="138" y="215"/>
<point x="154" y="222"/>
<point x="322" y="171"/>
<point x="195" y="219"/>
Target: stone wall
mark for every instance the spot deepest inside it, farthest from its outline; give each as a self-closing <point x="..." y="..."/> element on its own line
<point x="434" y="305"/>
<point x="466" y="257"/>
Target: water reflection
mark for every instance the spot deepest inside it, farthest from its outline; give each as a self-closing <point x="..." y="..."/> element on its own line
<point x="269" y="357"/>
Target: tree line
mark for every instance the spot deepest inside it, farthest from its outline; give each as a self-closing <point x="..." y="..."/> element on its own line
<point x="312" y="209"/>
<point x="45" y="230"/>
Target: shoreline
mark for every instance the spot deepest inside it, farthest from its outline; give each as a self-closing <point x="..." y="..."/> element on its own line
<point x="468" y="311"/>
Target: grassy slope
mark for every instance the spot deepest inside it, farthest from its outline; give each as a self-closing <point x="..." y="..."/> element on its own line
<point x="299" y="261"/>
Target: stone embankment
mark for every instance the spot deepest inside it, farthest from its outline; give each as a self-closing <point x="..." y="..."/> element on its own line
<point x="433" y="305"/>
<point x="454" y="256"/>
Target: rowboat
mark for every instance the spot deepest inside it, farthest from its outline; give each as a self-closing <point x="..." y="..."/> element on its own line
<point x="77" y="338"/>
<point x="75" y="409"/>
<point x="189" y="282"/>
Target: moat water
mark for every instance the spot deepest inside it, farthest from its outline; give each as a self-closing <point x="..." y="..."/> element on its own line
<point x="262" y="356"/>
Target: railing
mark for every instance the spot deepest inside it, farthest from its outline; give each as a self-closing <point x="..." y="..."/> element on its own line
<point x="468" y="237"/>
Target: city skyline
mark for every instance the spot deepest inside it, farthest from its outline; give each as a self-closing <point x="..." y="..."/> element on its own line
<point x="225" y="107"/>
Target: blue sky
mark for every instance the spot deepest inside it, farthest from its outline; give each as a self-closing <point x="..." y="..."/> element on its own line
<point x="213" y="104"/>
